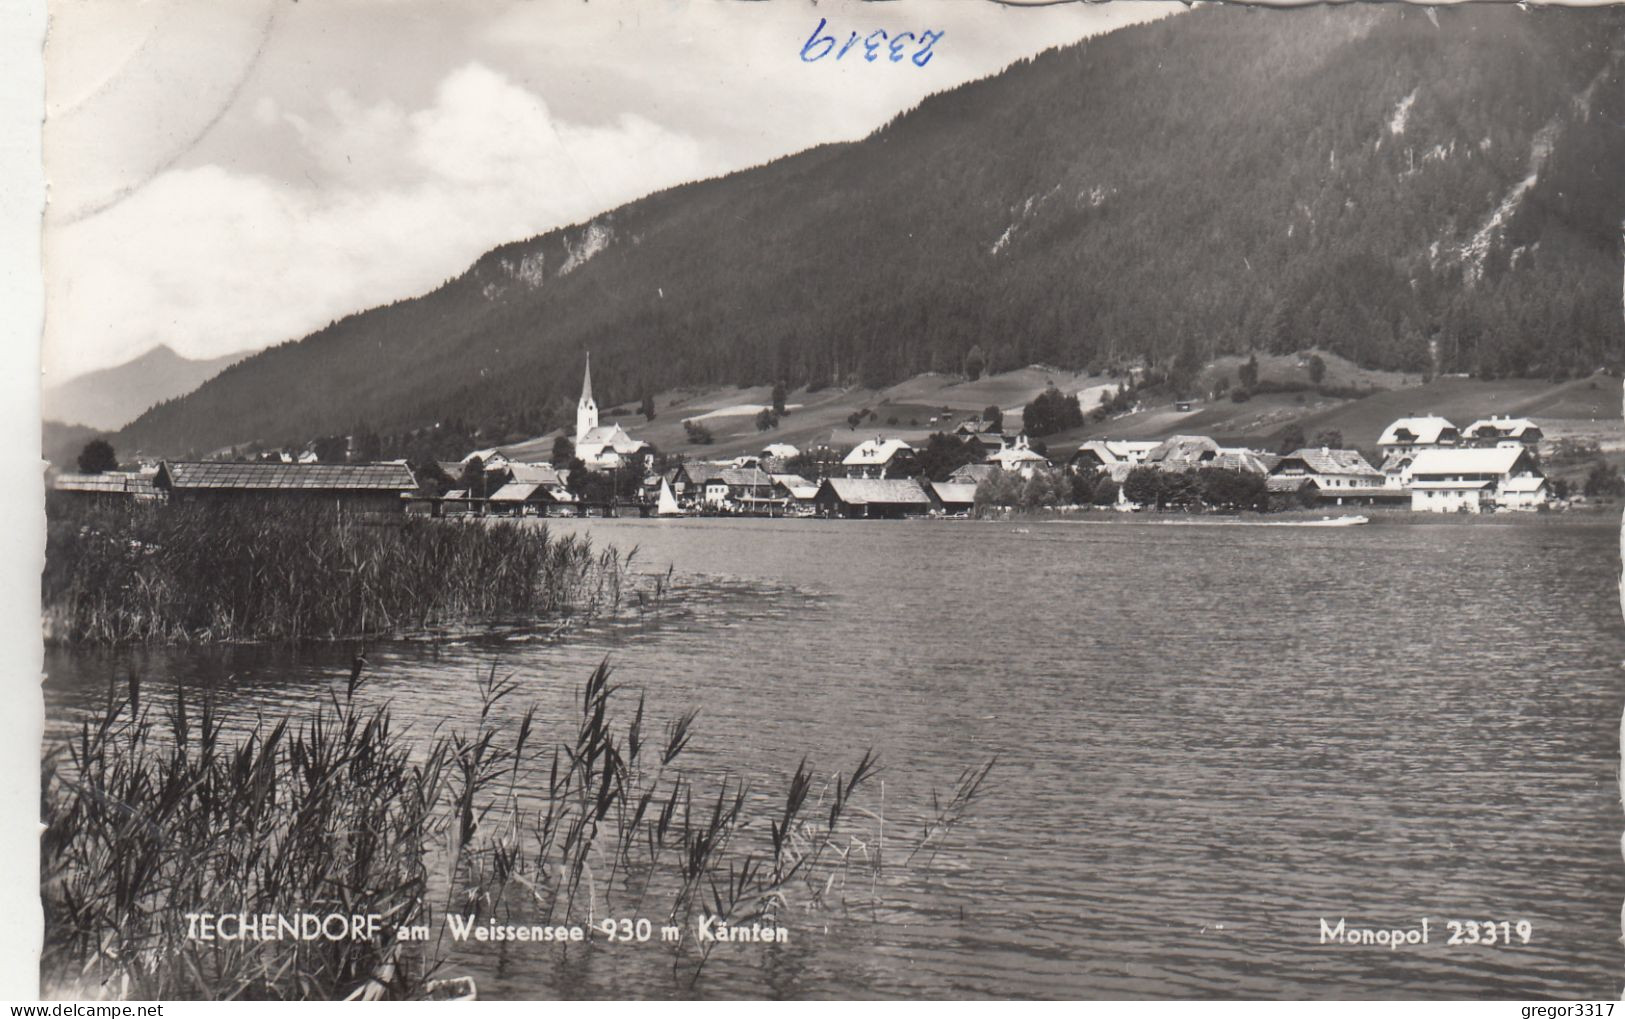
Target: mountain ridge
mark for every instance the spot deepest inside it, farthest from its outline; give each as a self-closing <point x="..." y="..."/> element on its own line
<point x="109" y="398"/>
<point x="1361" y="180"/>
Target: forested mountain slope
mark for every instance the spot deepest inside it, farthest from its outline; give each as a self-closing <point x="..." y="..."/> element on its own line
<point x="1410" y="189"/>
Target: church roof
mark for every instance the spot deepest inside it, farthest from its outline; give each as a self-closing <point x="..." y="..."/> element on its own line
<point x="586" y="381"/>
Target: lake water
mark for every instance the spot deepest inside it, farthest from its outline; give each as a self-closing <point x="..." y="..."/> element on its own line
<point x="1209" y="738"/>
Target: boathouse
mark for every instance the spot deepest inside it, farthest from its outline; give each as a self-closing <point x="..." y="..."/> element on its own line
<point x="953" y="498"/>
<point x="887" y="498"/>
<point x="362" y="488"/>
<point x="109" y="486"/>
<point x="522" y="499"/>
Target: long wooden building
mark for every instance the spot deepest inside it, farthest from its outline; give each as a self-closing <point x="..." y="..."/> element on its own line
<point x="362" y="488"/>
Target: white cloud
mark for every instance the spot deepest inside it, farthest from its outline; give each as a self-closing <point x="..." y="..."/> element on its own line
<point x="212" y="261"/>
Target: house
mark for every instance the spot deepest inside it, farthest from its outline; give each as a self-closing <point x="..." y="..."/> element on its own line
<point x="1239" y="458"/>
<point x="1396" y="469"/>
<point x="522" y="499"/>
<point x="976" y="426"/>
<point x="1523" y="493"/>
<point x="1339" y="476"/>
<point x="1019" y="458"/>
<point x="492" y="457"/>
<point x="779" y="451"/>
<point x="555" y="481"/>
<point x="688" y="481"/>
<point x="1100" y="453"/>
<point x="457" y="502"/>
<point x="973" y="474"/>
<point x="1476" y="480"/>
<point x="983" y="445"/>
<point x="799" y="489"/>
<point x="1413" y="433"/>
<point x="953" y="497"/>
<point x="602" y="447"/>
<point x="1181" y="452"/>
<point x="879" y="458"/>
<point x="871" y="498"/>
<point x="366" y="488"/>
<point x="1493" y="431"/>
<point x="749" y="490"/>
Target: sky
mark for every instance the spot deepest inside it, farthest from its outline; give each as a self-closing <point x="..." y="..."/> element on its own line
<point x="224" y="177"/>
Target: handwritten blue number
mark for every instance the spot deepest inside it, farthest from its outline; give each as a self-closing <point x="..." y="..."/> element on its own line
<point x="872" y="46"/>
<point x="923" y="55"/>
<point x="813" y="40"/>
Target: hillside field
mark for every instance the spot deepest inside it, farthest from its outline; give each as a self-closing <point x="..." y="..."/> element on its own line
<point x="1588" y="408"/>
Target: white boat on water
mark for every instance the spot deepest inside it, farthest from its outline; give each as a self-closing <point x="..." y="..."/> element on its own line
<point x="1348" y="521"/>
<point x="666" y="502"/>
<point x="1351" y="521"/>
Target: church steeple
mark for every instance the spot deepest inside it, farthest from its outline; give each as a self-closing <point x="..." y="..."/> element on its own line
<point x="586" y="410"/>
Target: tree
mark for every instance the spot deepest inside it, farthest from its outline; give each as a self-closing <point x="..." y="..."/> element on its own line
<point x="697" y="433"/>
<point x="473" y="478"/>
<point x="1291" y="440"/>
<point x="432" y="478"/>
<point x="332" y="449"/>
<point x="765" y="419"/>
<point x="943" y="454"/>
<point x="563" y="451"/>
<point x="993" y="417"/>
<point x="1329" y="439"/>
<point x="1248" y="373"/>
<point x="366" y="446"/>
<point x="1231" y="489"/>
<point x="648" y="407"/>
<point x="97" y="457"/>
<point x="975" y="362"/>
<point x="1604" y="482"/>
<point x="1144" y="486"/>
<point x="1051" y="412"/>
<point x="778" y="400"/>
<point x="853" y="420"/>
<point x="1317" y="369"/>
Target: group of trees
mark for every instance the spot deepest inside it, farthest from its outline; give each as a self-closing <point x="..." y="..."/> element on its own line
<point x="1209" y="487"/>
<point x="97" y="457"/>
<point x="1051" y="412"/>
<point x="1045" y="489"/>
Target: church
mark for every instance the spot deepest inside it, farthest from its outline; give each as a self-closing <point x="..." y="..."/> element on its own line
<point x="602" y="447"/>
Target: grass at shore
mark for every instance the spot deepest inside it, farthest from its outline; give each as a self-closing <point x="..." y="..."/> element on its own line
<point x="130" y="574"/>
<point x="154" y="815"/>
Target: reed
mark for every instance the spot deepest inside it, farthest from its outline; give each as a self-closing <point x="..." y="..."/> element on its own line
<point x="154" y="814"/>
<point x="133" y="574"/>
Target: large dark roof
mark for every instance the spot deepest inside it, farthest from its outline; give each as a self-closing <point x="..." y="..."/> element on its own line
<point x="194" y="474"/>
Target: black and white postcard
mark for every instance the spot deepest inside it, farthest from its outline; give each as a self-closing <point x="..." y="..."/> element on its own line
<point x="834" y="500"/>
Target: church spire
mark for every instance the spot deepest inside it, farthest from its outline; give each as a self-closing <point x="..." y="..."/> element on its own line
<point x="586" y="410"/>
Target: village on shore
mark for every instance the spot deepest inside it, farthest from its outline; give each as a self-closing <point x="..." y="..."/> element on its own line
<point x="1427" y="464"/>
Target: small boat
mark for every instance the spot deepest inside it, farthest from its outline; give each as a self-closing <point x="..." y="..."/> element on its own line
<point x="666" y="502"/>
<point x="1349" y="521"/>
